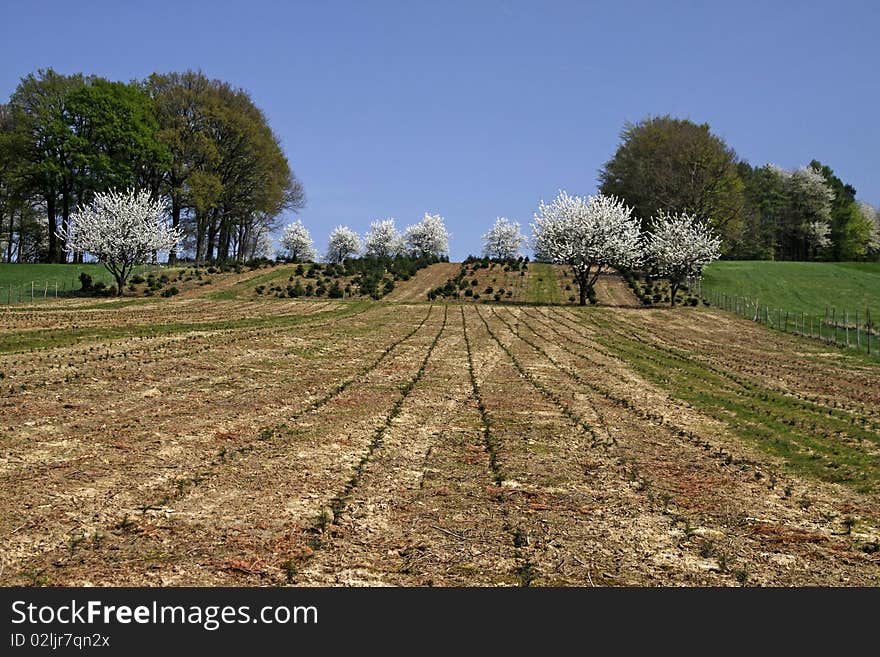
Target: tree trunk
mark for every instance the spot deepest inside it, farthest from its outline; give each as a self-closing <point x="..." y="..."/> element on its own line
<point x="11" y="235"/>
<point x="223" y="242"/>
<point x="175" y="222"/>
<point x="200" y="236"/>
<point x="673" y="290"/>
<point x="53" y="227"/>
<point x="65" y="218"/>
<point x="212" y="239"/>
<point x="582" y="288"/>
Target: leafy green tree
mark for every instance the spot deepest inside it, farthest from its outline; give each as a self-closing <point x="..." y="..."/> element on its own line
<point x="40" y="115"/>
<point x="850" y="231"/>
<point x="677" y="166"/>
<point x="763" y="209"/>
<point x="179" y="101"/>
<point x="114" y="141"/>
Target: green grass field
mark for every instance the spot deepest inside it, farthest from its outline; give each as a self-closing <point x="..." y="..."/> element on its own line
<point x="542" y="286"/>
<point x="808" y="287"/>
<point x="16" y="279"/>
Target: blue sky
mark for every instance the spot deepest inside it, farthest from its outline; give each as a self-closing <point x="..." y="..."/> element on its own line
<point x="480" y="109"/>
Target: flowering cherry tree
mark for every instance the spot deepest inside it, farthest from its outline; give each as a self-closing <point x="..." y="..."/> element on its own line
<point x="428" y="237"/>
<point x="679" y="246"/>
<point x="343" y="243"/>
<point x="871" y="217"/>
<point x="808" y="209"/>
<point x="297" y="242"/>
<point x="121" y="229"/>
<point x="587" y="234"/>
<point x="503" y="240"/>
<point x="383" y="240"/>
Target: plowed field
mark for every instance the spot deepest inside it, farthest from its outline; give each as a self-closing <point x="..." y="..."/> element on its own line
<point x="273" y="442"/>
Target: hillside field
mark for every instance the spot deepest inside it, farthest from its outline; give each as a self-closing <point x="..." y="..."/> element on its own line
<point x="16" y="279"/>
<point x="221" y="437"/>
<point x="808" y="287"/>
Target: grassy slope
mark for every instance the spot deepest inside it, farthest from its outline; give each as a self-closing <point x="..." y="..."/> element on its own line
<point x="543" y="287"/>
<point x="19" y="276"/>
<point x="807" y="437"/>
<point x="800" y="286"/>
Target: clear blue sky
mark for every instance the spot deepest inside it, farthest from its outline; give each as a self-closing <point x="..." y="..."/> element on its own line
<point x="480" y="109"/>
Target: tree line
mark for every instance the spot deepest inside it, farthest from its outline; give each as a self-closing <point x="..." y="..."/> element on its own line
<point x="426" y="238"/>
<point x="200" y="145"/>
<point x="762" y="212"/>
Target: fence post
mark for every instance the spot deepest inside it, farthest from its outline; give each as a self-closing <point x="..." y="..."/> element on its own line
<point x="834" y="323"/>
<point x="32" y="290"/>
<point x="846" y="326"/>
<point x="858" y="333"/>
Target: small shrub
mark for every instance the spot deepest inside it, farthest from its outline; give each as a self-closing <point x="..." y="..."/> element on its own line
<point x="170" y="292"/>
<point x="85" y="282"/>
<point x="335" y="292"/>
<point x="137" y="279"/>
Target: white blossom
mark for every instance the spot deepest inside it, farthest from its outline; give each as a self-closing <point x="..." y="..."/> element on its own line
<point x="819" y="234"/>
<point x="121" y="229"/>
<point x="428" y="237"/>
<point x="872" y="218"/>
<point x="503" y="240"/>
<point x="383" y="240"/>
<point x="588" y="234"/>
<point x="297" y="242"/>
<point x="679" y="246"/>
<point x="264" y="246"/>
<point x="343" y="243"/>
<point x="812" y="193"/>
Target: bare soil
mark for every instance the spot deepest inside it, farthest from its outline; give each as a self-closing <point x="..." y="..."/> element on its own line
<point x="272" y="442"/>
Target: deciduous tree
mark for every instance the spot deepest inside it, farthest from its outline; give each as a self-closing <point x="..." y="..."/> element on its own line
<point x="676" y="165"/>
<point x="429" y="237"/>
<point x="503" y="241"/>
<point x="121" y="229"/>
<point x="383" y="240"/>
<point x="678" y="246"/>
<point x="297" y="242"/>
<point x="343" y="243"/>
<point x="587" y="234"/>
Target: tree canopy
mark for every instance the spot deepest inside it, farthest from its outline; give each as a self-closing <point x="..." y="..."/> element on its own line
<point x="200" y="145"/>
<point x="675" y="165"/>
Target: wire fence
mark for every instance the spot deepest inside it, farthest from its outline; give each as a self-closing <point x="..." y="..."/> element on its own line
<point x="36" y="290"/>
<point x="55" y="286"/>
<point x="841" y="327"/>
